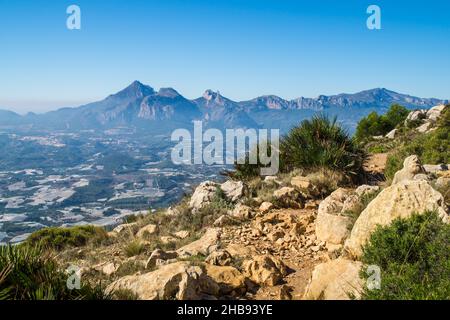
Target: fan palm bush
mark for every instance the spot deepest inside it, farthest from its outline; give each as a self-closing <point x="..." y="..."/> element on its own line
<point x="321" y="143"/>
<point x="29" y="273"/>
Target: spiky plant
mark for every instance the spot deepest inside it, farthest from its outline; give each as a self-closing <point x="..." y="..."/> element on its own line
<point x="321" y="143"/>
<point x="29" y="273"/>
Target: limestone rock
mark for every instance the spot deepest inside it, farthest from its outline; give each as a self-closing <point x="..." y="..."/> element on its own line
<point x="229" y="279"/>
<point x="168" y="239"/>
<point x="302" y="183"/>
<point x="242" y="212"/>
<point x="234" y="190"/>
<point x="411" y="167"/>
<point x="266" y="207"/>
<point x="332" y="228"/>
<point x="130" y="228"/>
<point x="435" y="113"/>
<point x="219" y="258"/>
<point x="331" y="225"/>
<point x="366" y="190"/>
<point x="335" y="280"/>
<point x="392" y="134"/>
<point x="288" y="197"/>
<point x="272" y="179"/>
<point x="203" y="195"/>
<point x="265" y="270"/>
<point x="183" y="234"/>
<point x="400" y="200"/>
<point x="424" y="127"/>
<point x="180" y="281"/>
<point x="416" y="115"/>
<point x="159" y="254"/>
<point x="147" y="231"/>
<point x="435" y="168"/>
<point x="203" y="246"/>
<point x="223" y="220"/>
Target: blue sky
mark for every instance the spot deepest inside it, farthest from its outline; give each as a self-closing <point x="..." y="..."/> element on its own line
<point x="243" y="48"/>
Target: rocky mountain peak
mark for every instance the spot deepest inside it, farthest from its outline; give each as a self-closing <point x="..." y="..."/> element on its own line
<point x="135" y="90"/>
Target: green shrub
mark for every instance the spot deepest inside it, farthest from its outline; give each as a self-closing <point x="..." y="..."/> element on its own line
<point x="134" y="248"/>
<point x="414" y="257"/>
<point x="321" y="143"/>
<point x="59" y="238"/>
<point x="432" y="147"/>
<point x="29" y="273"/>
<point x="380" y="125"/>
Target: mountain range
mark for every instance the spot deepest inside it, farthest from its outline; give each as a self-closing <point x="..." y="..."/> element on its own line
<point x="140" y="106"/>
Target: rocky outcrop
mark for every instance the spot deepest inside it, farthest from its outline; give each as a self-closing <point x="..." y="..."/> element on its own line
<point x="180" y="281"/>
<point x="400" y="200"/>
<point x="159" y="255"/>
<point x="203" y="195"/>
<point x="335" y="280"/>
<point x="435" y="113"/>
<point x="229" y="279"/>
<point x="203" y="246"/>
<point x="265" y="270"/>
<point x="411" y="167"/>
<point x="234" y="190"/>
<point x="333" y="223"/>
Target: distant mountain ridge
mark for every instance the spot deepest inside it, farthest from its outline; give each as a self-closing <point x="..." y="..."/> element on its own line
<point x="141" y="106"/>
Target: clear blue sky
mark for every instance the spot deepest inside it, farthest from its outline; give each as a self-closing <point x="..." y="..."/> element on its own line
<point x="243" y="48"/>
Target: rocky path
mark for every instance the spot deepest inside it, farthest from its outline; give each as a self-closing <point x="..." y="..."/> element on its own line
<point x="287" y="234"/>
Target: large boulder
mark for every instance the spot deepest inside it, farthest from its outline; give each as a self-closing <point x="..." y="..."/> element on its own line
<point x="230" y="280"/>
<point x="435" y="113"/>
<point x="265" y="270"/>
<point x="411" y="167"/>
<point x="335" y="280"/>
<point x="416" y="115"/>
<point x="234" y="190"/>
<point x="203" y="246"/>
<point x="332" y="225"/>
<point x="400" y="200"/>
<point x="203" y="195"/>
<point x="180" y="281"/>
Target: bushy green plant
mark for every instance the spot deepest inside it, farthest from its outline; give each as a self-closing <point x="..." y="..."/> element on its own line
<point x="321" y="143"/>
<point x="432" y="147"/>
<point x="29" y="273"/>
<point x="414" y="257"/>
<point x="134" y="248"/>
<point x="58" y="238"/>
<point x="380" y="125"/>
